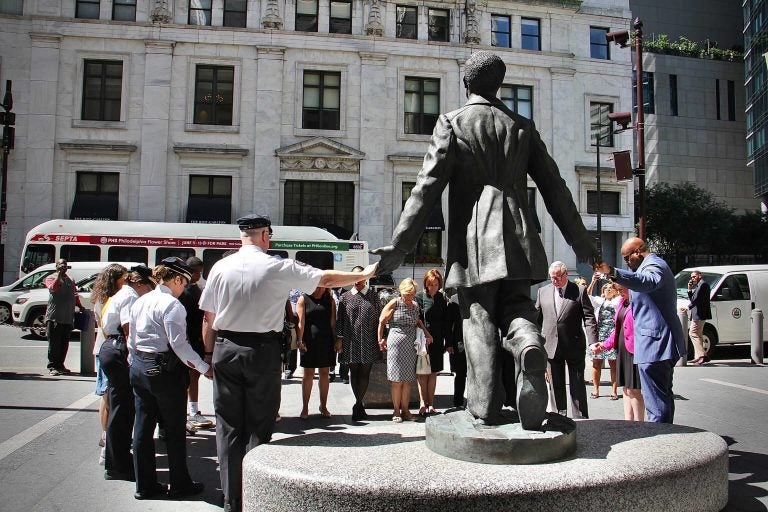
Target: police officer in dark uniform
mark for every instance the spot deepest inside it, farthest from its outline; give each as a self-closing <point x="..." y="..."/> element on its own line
<point x="244" y="305"/>
<point x="161" y="355"/>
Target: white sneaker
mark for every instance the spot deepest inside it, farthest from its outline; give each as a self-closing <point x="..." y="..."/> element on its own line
<point x="102" y="456"/>
<point x="199" y="421"/>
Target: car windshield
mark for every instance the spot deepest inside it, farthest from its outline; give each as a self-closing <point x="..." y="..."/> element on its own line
<point x="35" y="280"/>
<point x="85" y="285"/>
<point x="681" y="281"/>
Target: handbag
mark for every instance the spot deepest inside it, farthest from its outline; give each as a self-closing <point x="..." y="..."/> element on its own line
<point x="421" y="342"/>
<point x="423" y="365"/>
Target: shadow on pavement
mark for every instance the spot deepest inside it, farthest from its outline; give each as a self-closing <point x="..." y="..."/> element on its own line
<point x="202" y="465"/>
<point x="748" y="474"/>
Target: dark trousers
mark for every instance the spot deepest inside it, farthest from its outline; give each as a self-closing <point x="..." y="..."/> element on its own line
<point x="291" y="358"/>
<point x="656" y="382"/>
<point x="246" y="396"/>
<point x="58" y="343"/>
<point x="458" y="362"/>
<point x="162" y="396"/>
<point x="114" y="364"/>
<point x="361" y="376"/>
<point x="578" y="390"/>
<point x="486" y="309"/>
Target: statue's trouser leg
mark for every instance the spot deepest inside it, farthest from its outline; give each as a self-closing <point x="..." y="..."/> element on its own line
<point x="486" y="309"/>
<point x="525" y="342"/>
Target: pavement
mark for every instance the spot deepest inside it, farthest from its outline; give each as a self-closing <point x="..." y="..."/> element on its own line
<point x="49" y="430"/>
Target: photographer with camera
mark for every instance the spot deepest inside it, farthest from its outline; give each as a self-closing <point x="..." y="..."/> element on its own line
<point x="59" y="317"/>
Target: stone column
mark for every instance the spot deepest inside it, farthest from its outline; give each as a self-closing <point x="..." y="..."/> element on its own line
<point x="41" y="128"/>
<point x="153" y="180"/>
<point x="265" y="191"/>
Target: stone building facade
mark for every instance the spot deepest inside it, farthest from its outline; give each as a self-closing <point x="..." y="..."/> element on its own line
<point x="312" y="111"/>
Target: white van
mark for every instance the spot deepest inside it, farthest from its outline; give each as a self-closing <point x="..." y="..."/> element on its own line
<point x="29" y="306"/>
<point x="735" y="291"/>
<point x="36" y="279"/>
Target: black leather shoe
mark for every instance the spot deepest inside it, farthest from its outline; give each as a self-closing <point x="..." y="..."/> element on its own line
<point x="191" y="489"/>
<point x="158" y="491"/>
<point x="118" y="475"/>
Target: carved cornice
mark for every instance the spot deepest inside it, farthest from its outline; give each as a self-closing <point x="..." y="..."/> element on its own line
<point x="405" y="157"/>
<point x="40" y="39"/>
<point x="319" y="154"/>
<point x="161" y="46"/>
<point x="323" y="164"/>
<point x="373" y="58"/>
<point x="210" y="149"/>
<point x="96" y="146"/>
<point x="272" y="19"/>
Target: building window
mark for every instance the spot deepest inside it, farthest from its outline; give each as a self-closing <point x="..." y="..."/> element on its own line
<point x="341" y="18"/>
<point x="322" y="92"/>
<point x="96" y="196"/>
<point x="87" y="9"/>
<point x="325" y="204"/>
<point x="600" y="124"/>
<point x="199" y="12"/>
<point x="102" y="88"/>
<point x="213" y="95"/>
<point x="673" y="94"/>
<point x="407" y="18"/>
<point x="422" y="104"/>
<point x="210" y="200"/>
<point x="531" y="34"/>
<point x="717" y="98"/>
<point x="609" y="202"/>
<point x="438" y="25"/>
<point x="501" y="31"/>
<point x="430" y="245"/>
<point x="519" y="98"/>
<point x="731" y="100"/>
<point x="235" y="13"/>
<point x="306" y="15"/>
<point x="12" y="7"/>
<point x="649" y="104"/>
<point x="598" y="44"/>
<point x="124" y="10"/>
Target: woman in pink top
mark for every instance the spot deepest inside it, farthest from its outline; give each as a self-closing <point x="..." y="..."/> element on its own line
<point x="623" y="338"/>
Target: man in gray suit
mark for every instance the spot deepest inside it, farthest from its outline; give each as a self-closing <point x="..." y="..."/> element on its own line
<point x="486" y="153"/>
<point x="565" y="312"/>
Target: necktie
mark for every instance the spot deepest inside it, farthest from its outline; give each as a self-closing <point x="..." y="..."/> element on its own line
<point x="559" y="301"/>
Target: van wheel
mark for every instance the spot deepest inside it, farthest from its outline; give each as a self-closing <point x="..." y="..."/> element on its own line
<point x="37" y="323"/>
<point x="710" y="340"/>
<point x="5" y="313"/>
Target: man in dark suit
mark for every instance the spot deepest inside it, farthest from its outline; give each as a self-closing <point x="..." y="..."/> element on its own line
<point x="699" y="312"/>
<point x="565" y="312"/>
<point x="659" y="339"/>
<point x="486" y="153"/>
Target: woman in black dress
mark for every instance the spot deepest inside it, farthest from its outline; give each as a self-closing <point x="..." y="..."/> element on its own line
<point x="435" y="315"/>
<point x="316" y="325"/>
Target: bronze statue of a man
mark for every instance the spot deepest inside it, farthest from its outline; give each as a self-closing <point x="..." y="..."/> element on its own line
<point x="485" y="152"/>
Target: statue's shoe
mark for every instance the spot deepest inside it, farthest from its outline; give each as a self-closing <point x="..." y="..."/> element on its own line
<point x="532" y="394"/>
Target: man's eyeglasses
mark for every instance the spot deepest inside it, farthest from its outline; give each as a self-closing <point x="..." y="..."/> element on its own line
<point x="626" y="258"/>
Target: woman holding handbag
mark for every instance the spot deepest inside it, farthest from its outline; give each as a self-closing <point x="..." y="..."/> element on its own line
<point x="403" y="316"/>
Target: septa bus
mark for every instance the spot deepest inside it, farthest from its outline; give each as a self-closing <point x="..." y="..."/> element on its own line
<point x="151" y="242"/>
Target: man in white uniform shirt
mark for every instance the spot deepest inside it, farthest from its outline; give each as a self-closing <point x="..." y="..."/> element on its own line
<point x="244" y="305"/>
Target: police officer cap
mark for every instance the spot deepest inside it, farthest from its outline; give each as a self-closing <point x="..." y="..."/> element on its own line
<point x="143" y="270"/>
<point x="179" y="266"/>
<point x="254" y="221"/>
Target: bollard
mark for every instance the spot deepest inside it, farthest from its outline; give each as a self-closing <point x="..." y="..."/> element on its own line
<point x="683" y="317"/>
<point x="87" y="340"/>
<point x="757" y="336"/>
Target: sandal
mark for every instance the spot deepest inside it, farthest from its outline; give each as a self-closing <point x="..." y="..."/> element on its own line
<point x="324" y="412"/>
<point x="397" y="419"/>
<point x="614" y="397"/>
<point x="594" y="395"/>
<point x="423" y="411"/>
<point x="408" y="417"/>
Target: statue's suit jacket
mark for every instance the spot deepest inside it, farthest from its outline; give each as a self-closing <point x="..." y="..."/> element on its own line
<point x="653" y="295"/>
<point x="566" y="332"/>
<point x="486" y="153"/>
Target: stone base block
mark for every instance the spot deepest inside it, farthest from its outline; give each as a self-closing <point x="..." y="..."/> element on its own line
<point x="387" y="467"/>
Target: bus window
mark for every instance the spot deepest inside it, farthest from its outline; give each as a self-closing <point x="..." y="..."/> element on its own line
<point x="168" y="252"/>
<point x="37" y="255"/>
<point x="211" y="256"/>
<point x="121" y="253"/>
<point x="318" y="259"/>
<point x="279" y="254"/>
<point x="81" y="253"/>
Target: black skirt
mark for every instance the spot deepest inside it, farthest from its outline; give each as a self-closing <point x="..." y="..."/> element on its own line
<point x="627" y="374"/>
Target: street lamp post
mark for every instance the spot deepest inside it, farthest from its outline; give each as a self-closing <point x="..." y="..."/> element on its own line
<point x="7" y="120"/>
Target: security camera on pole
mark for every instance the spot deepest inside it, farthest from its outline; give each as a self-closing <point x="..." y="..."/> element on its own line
<point x="7" y="119"/>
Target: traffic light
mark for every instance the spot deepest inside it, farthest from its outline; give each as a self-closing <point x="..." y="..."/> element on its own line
<point x="9" y="135"/>
<point x="8" y="118"/>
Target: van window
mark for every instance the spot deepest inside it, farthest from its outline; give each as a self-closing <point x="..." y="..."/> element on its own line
<point x="120" y="253"/>
<point x="279" y="254"/>
<point x="168" y="252"/>
<point x="734" y="287"/>
<point x="37" y="255"/>
<point x="32" y="281"/>
<point x="81" y="252"/>
<point x="211" y="256"/>
<point x="318" y="259"/>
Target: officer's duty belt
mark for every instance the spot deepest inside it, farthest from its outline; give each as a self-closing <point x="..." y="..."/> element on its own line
<point x="248" y="338"/>
<point x="151" y="356"/>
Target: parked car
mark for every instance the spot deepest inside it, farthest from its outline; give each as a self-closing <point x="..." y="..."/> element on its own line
<point x="735" y="291"/>
<point x="36" y="279"/>
<point x="29" y="308"/>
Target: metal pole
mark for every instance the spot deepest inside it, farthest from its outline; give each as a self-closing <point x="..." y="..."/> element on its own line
<point x="599" y="198"/>
<point x="640" y="125"/>
<point x="683" y="317"/>
<point x="3" y="208"/>
<point x="757" y="336"/>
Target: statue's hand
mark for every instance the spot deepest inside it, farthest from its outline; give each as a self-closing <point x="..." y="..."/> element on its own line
<point x="585" y="250"/>
<point x="391" y="259"/>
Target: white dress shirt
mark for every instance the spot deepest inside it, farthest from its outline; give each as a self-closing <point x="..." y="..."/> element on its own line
<point x="158" y="320"/>
<point x="247" y="290"/>
<point x="118" y="311"/>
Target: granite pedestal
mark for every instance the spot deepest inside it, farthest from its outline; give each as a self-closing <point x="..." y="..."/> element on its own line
<point x="383" y="466"/>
